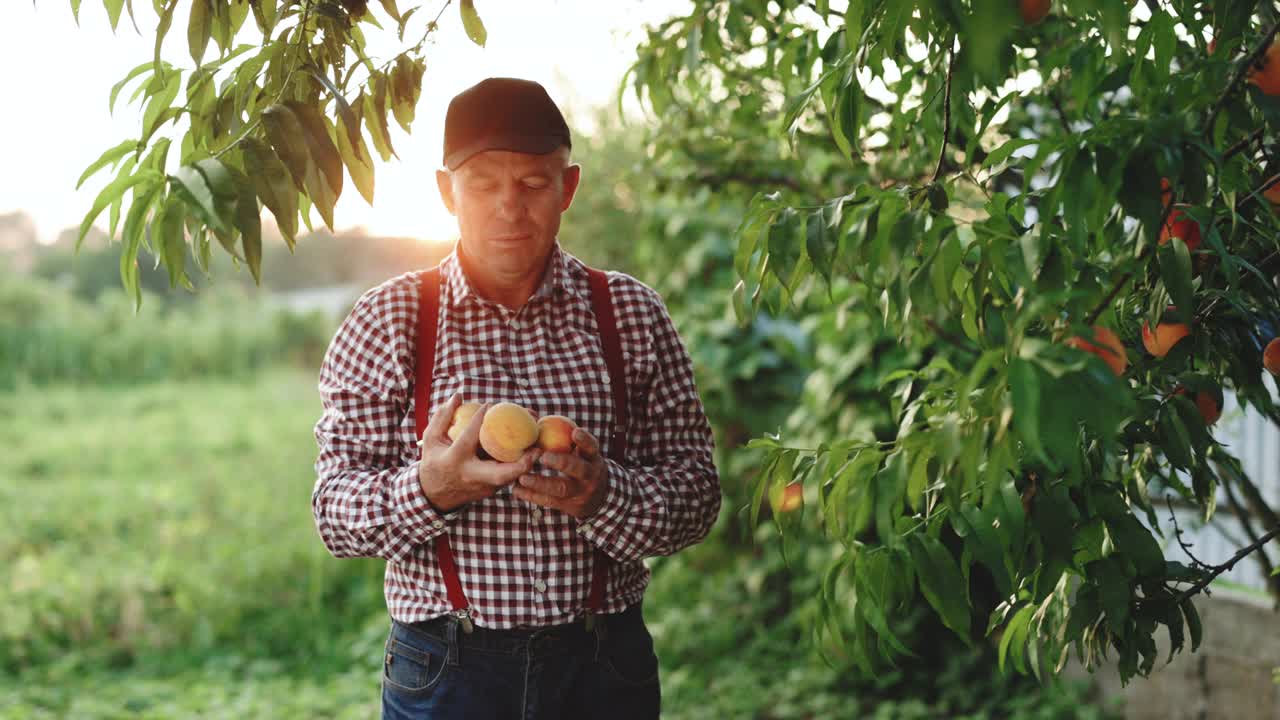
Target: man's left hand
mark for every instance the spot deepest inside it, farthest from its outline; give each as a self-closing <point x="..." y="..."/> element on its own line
<point x="581" y="482"/>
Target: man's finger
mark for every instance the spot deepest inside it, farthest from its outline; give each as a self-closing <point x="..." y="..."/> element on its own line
<point x="571" y="465"/>
<point x="498" y="474"/>
<point x="552" y="486"/>
<point x="465" y="445"/>
<point x="585" y="442"/>
<point x="439" y="424"/>
<point x="537" y="498"/>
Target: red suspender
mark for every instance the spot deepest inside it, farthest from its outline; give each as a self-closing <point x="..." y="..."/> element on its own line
<point x="602" y="304"/>
<point x="428" y="318"/>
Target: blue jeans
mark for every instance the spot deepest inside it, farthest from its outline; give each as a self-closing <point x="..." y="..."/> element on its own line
<point x="433" y="670"/>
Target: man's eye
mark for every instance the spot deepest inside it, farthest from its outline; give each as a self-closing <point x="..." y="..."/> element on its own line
<point x="536" y="184"/>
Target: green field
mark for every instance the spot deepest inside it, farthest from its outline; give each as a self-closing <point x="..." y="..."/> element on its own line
<point x="161" y="562"/>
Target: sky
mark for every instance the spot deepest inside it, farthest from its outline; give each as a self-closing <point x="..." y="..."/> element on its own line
<point x="57" y="78"/>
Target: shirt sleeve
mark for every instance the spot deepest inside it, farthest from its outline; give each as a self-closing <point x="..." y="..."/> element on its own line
<point x="366" y="502"/>
<point x="666" y="496"/>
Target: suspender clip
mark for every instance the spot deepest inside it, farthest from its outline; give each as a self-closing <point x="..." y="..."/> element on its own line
<point x="464" y="619"/>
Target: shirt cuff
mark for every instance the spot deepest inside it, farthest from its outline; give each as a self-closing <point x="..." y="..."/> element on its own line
<point x="418" y="520"/>
<point x="604" y="528"/>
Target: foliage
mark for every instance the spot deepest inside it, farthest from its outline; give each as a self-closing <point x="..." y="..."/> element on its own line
<point x="950" y="194"/>
<point x="47" y="335"/>
<point x="261" y="131"/>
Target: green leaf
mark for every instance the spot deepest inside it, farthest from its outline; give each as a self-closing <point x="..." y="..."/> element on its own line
<point x="392" y="10"/>
<point x="171" y="239"/>
<point x="115" y="89"/>
<point x="113" y="11"/>
<point x="249" y="222"/>
<point x="1003" y="152"/>
<point x="471" y="22"/>
<point x="323" y="152"/>
<point x="271" y="184"/>
<point x="109" y="195"/>
<point x="190" y="185"/>
<point x="1015" y="638"/>
<point x="199" y="29"/>
<point x="1024" y="383"/>
<point x="356" y="156"/>
<point x="941" y="582"/>
<point x="109" y="157"/>
<point x="375" y="118"/>
<point x="406" y="88"/>
<point x="1175" y="270"/>
<point x="144" y="197"/>
<point x="1193" y="623"/>
<point x="288" y="139"/>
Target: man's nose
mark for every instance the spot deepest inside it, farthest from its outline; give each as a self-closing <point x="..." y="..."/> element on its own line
<point x="511" y="205"/>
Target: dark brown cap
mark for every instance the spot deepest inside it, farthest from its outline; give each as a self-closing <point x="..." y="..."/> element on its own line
<point x="502" y="114"/>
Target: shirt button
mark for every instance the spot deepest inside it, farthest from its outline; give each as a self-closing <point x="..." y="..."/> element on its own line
<point x="523" y="381"/>
<point x="438" y="524"/>
<point x="540" y="586"/>
<point x="537" y="514"/>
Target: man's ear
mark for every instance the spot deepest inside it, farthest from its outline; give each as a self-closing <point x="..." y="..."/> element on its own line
<point x="572" y="175"/>
<point x="444" y="181"/>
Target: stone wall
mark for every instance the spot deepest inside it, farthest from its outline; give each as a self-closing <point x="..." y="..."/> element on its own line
<point x="1230" y="676"/>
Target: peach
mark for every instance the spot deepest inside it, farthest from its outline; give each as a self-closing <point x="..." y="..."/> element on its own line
<point x="1108" y="347"/>
<point x="461" y="417"/>
<point x="1271" y="357"/>
<point x="1206" y="403"/>
<point x="555" y="433"/>
<point x="1033" y="11"/>
<point x="1266" y="74"/>
<point x="1273" y="193"/>
<point x="507" y="431"/>
<point x="792" y="498"/>
<point x="1167" y="334"/>
<point x="1181" y="226"/>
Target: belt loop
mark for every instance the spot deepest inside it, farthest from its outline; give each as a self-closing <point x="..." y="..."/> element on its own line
<point x="451" y="635"/>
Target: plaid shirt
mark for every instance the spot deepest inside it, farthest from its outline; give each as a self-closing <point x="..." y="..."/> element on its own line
<point x="519" y="564"/>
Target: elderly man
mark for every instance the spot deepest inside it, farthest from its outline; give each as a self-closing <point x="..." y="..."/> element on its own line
<point x="514" y="588"/>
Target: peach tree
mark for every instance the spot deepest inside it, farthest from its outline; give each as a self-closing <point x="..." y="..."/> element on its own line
<point x="1058" y="215"/>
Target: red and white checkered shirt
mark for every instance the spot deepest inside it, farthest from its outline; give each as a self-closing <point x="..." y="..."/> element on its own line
<point x="519" y="564"/>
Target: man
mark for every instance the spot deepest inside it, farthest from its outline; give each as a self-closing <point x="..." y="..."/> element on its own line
<point x="514" y="588"/>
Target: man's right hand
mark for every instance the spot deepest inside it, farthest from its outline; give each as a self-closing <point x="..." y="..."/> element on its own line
<point x="450" y="473"/>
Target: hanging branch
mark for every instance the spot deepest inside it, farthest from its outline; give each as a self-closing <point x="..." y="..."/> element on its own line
<point x="1258" y="51"/>
<point x="946" y="114"/>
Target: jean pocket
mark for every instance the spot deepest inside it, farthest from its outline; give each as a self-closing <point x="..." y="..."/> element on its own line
<point x="411" y="671"/>
<point x="629" y="655"/>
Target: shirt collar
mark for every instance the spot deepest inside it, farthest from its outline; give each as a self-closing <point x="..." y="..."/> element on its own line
<point x="557" y="282"/>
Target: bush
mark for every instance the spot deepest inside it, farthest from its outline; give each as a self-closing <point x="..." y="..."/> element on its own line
<point x="47" y="335"/>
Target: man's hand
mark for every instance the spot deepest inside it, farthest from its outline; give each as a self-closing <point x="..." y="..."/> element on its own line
<point x="451" y="474"/>
<point x="580" y="486"/>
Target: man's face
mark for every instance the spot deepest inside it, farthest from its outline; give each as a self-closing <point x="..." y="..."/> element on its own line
<point x="508" y="207"/>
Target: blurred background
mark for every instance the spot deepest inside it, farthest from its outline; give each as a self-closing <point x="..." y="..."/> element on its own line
<point x="159" y="554"/>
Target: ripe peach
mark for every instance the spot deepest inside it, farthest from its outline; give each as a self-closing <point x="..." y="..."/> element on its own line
<point x="461" y="417"/>
<point x="1266" y="74"/>
<point x="1166" y="193"/>
<point x="1273" y="193"/>
<point x="507" y="431"/>
<point x="1182" y="226"/>
<point x="1165" y="336"/>
<point x="1271" y="357"/>
<point x="792" y="497"/>
<point x="555" y="433"/>
<point x="1033" y="11"/>
<point x="1108" y="347"/>
<point x="1206" y="403"/>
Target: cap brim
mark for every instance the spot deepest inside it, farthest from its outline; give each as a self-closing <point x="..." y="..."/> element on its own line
<point x="531" y="144"/>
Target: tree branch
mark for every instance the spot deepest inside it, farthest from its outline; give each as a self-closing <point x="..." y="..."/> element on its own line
<point x="946" y="114"/>
<point x="1224" y="567"/>
<point x="1264" y="561"/>
<point x="1241" y="72"/>
<point x="1243" y="144"/>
